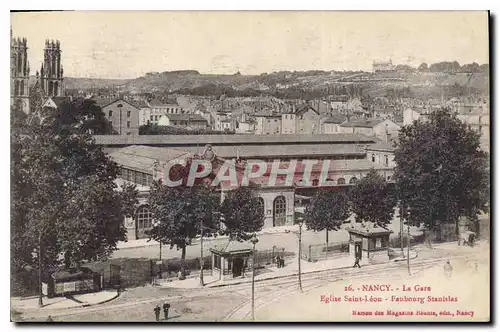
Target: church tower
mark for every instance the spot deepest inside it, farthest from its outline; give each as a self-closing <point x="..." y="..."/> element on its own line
<point x="51" y="73"/>
<point x="19" y="73"/>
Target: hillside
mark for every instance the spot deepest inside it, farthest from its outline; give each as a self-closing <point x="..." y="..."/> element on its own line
<point x="80" y="83"/>
<point x="374" y="84"/>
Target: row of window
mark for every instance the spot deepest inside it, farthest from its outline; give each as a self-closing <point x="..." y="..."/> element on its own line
<point x="279" y="210"/>
<point x="386" y="157"/>
<point x="169" y="110"/>
<point x="140" y="178"/>
<point x="110" y="113"/>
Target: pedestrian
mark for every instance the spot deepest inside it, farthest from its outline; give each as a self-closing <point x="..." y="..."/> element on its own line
<point x="356" y="262"/>
<point x="476" y="268"/>
<point x="157" y="312"/>
<point x="448" y="269"/>
<point x="282" y="262"/>
<point x="277" y="260"/>
<point x="166" y="306"/>
<point x="49" y="319"/>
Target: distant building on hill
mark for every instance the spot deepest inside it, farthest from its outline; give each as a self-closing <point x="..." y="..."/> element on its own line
<point x="383" y="66"/>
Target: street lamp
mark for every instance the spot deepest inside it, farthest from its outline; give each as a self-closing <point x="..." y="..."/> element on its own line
<point x="201" y="253"/>
<point x="408" y="244"/>
<point x="300" y="222"/>
<point x="254" y="240"/>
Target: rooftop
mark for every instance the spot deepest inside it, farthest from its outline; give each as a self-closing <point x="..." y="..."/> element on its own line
<point x="186" y="117"/>
<point x="141" y="158"/>
<point x="362" y="124"/>
<point x="242" y="139"/>
<point x="367" y="229"/>
<point x="285" y="151"/>
<point x="160" y="103"/>
<point x="232" y="247"/>
<point x="334" y="119"/>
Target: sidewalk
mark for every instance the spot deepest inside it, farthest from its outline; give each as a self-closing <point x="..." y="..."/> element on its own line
<point x="75" y="301"/>
<point x="269" y="272"/>
<point x="146" y="243"/>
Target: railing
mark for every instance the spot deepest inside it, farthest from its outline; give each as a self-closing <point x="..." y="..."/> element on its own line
<point x="315" y="252"/>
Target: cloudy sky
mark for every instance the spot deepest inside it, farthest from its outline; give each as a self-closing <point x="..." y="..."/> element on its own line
<point x="119" y="44"/>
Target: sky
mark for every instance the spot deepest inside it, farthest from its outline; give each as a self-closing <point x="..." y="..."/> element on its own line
<point x="121" y="44"/>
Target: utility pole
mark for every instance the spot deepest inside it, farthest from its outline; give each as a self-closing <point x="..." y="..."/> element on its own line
<point x="40" y="292"/>
<point x="300" y="254"/>
<point x="408" y="254"/>
<point x="401" y="227"/>
<point x="254" y="240"/>
<point x="326" y="248"/>
<point x="201" y="254"/>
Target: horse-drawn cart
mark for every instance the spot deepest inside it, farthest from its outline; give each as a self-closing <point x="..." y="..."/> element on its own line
<point x="467" y="238"/>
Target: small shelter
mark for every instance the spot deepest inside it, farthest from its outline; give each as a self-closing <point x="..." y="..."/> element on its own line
<point x="231" y="259"/>
<point x="72" y="281"/>
<point x="369" y="242"/>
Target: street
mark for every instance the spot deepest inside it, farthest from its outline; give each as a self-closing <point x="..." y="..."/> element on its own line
<point x="233" y="302"/>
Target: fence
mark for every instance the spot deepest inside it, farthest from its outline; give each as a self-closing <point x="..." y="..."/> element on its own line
<point x="315" y="252"/>
<point x="267" y="257"/>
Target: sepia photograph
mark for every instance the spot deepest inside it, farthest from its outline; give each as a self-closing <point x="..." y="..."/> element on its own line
<point x="250" y="166"/>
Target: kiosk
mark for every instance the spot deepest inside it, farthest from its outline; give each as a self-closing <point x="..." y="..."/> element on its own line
<point x="231" y="259"/>
<point x="369" y="242"/>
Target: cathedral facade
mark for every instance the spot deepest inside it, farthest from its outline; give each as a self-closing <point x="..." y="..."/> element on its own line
<point x="49" y="81"/>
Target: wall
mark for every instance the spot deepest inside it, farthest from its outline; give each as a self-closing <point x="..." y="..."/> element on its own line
<point x="269" y="195"/>
<point x="308" y="123"/>
<point x="144" y="116"/>
<point x="331" y="128"/>
<point x="378" y="157"/>
<point x="268" y="125"/>
<point x="386" y="126"/>
<point x="288" y="124"/>
<point x="124" y="119"/>
<point x="409" y="116"/>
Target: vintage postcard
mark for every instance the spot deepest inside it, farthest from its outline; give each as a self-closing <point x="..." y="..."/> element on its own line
<point x="250" y="166"/>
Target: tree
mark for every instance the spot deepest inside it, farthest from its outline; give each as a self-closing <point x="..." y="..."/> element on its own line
<point x="180" y="212"/>
<point x="441" y="170"/>
<point x="64" y="198"/>
<point x="96" y="122"/>
<point x="327" y="211"/>
<point x="129" y="199"/>
<point x="242" y="214"/>
<point x="373" y="200"/>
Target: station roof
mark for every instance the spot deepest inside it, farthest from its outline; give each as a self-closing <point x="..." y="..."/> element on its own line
<point x="141" y="158"/>
<point x="238" y="139"/>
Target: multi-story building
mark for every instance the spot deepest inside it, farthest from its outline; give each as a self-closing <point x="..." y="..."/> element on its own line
<point x="124" y="117"/>
<point x="331" y="124"/>
<point x="308" y="121"/>
<point x="192" y="121"/>
<point x="288" y="122"/>
<point x="152" y="111"/>
<point x="223" y="121"/>
<point x="383" y="129"/>
<point x="267" y="123"/>
<point x="475" y="114"/>
<point x="383" y="66"/>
